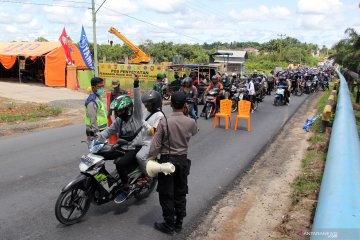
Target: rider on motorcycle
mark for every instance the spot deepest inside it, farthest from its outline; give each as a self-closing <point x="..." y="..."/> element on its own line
<point x="191" y="96"/>
<point x="153" y="104"/>
<point x="128" y="123"/>
<point x="215" y="83"/>
<point x="226" y="82"/>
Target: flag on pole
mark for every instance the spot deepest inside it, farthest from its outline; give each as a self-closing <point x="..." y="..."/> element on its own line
<point x="64" y="42"/>
<point x="85" y="50"/>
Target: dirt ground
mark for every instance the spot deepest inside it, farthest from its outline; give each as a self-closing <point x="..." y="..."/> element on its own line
<point x="259" y="202"/>
<point x="71" y="102"/>
<point x="37" y="92"/>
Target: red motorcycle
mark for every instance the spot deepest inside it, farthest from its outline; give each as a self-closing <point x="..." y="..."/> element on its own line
<point x="210" y="103"/>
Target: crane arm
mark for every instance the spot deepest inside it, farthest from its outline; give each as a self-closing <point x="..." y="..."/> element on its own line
<point x="140" y="55"/>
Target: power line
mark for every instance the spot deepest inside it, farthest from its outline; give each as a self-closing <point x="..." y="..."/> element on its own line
<point x="70" y="1"/>
<point x="40" y="4"/>
<point x="154" y="25"/>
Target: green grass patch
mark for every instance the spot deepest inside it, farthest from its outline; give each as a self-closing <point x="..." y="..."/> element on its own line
<point x="317" y="138"/>
<point x="356" y="108"/>
<point x="33" y="116"/>
<point x="308" y="183"/>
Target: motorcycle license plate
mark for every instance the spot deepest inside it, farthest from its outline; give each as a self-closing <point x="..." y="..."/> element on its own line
<point x="210" y="98"/>
<point x="87" y="160"/>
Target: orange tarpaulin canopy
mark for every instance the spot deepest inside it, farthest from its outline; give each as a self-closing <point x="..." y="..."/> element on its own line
<point x="55" y="62"/>
<point x="7" y="61"/>
<point x="27" y="49"/>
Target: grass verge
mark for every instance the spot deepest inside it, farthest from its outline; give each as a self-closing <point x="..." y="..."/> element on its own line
<point x="15" y="112"/>
<point x="306" y="187"/>
<point x="356" y="107"/>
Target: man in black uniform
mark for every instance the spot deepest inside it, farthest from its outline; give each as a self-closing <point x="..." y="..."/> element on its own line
<point x="171" y="141"/>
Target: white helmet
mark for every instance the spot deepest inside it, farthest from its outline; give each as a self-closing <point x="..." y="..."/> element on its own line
<point x="233" y="74"/>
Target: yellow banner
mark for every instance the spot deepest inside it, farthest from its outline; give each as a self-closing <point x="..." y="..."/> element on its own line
<point x="127" y="71"/>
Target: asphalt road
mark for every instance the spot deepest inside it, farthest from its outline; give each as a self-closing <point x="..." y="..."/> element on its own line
<point x="34" y="167"/>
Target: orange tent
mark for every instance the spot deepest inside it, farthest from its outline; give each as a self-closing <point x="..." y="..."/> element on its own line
<point x="55" y="63"/>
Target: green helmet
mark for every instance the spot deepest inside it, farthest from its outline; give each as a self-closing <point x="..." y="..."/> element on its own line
<point x="123" y="107"/>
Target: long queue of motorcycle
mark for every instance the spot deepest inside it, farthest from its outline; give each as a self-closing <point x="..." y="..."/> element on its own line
<point x="284" y="83"/>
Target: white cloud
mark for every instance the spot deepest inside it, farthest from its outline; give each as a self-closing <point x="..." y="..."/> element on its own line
<point x="123" y="6"/>
<point x="63" y="15"/>
<point x="262" y="13"/>
<point x="11" y="29"/>
<point x="5" y="18"/>
<point x="23" y="18"/>
<point x="165" y="6"/>
<point x="34" y="24"/>
<point x="319" y="6"/>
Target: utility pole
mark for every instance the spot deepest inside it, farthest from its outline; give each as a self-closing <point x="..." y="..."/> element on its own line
<point x="94" y="34"/>
<point x="281" y="35"/>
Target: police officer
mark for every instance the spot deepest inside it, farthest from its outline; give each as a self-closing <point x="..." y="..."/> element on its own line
<point x="95" y="112"/>
<point x="171" y="141"/>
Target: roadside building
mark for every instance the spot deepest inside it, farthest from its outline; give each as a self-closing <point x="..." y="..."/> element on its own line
<point x="252" y="50"/>
<point x="228" y="60"/>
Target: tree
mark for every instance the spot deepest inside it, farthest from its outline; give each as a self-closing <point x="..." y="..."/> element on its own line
<point x="347" y="50"/>
<point x="41" y="39"/>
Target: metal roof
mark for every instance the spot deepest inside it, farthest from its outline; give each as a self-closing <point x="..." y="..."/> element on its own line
<point x="230" y="53"/>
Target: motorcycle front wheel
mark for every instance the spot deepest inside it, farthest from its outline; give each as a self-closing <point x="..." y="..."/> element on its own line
<point x="234" y="105"/>
<point x="208" y="112"/>
<point x="166" y="96"/>
<point x="71" y="206"/>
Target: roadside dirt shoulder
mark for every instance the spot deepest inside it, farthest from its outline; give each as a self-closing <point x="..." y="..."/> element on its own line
<point x="258" y="203"/>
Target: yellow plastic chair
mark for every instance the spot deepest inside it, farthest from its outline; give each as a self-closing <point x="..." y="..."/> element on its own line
<point x="244" y="108"/>
<point x="225" y="112"/>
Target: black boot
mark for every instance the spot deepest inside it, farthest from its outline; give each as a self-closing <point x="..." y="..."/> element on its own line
<point x="164" y="228"/>
<point x="178" y="225"/>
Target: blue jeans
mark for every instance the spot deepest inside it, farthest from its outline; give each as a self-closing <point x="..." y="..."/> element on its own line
<point x="192" y="110"/>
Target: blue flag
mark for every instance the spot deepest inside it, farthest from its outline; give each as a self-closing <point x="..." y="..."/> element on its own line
<point x="85" y="50"/>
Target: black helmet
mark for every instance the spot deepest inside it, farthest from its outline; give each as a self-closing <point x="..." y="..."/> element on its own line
<point x="153" y="97"/>
<point x="187" y="80"/>
<point x="123" y="107"/>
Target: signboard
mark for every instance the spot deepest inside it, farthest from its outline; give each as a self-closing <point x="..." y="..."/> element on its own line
<point x="127" y="71"/>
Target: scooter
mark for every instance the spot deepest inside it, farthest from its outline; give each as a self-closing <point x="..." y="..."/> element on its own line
<point x="280" y="95"/>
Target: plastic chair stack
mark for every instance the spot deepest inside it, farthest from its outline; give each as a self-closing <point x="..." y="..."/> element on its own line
<point x="225" y="112"/>
<point x="244" y="108"/>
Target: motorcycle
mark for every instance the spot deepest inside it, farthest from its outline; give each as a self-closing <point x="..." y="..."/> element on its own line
<point x="96" y="185"/>
<point x="260" y="89"/>
<point x="308" y="87"/>
<point x="300" y="88"/>
<point x="165" y="92"/>
<point x="238" y="95"/>
<point x="210" y="103"/>
<point x="315" y="85"/>
<point x="280" y="96"/>
<point x="256" y="101"/>
<point x="201" y="90"/>
<point x="324" y="85"/>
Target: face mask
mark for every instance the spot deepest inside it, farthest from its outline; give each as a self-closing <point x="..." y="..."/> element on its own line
<point x="100" y="91"/>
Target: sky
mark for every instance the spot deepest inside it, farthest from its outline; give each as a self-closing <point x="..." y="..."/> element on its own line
<point x="322" y="22"/>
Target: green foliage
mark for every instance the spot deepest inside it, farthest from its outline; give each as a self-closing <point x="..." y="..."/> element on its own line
<point x="41" y="39"/>
<point x="292" y="51"/>
<point x="347" y="51"/>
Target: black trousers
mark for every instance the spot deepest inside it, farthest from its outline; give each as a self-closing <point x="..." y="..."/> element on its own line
<point x="122" y="162"/>
<point x="173" y="189"/>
